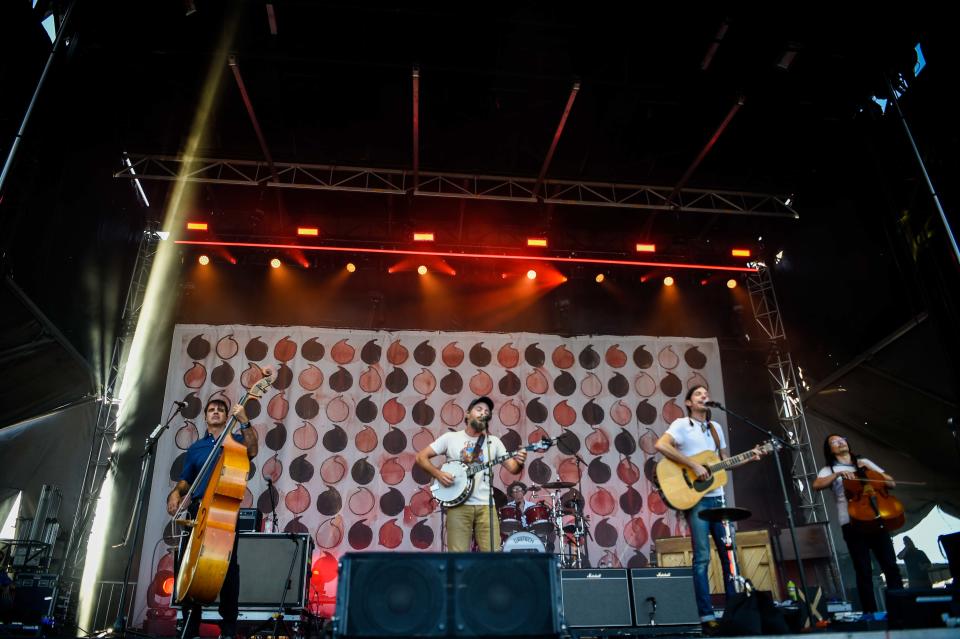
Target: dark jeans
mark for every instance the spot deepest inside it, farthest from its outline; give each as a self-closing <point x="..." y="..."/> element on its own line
<point x="860" y="543"/>
<point x="229" y="595"/>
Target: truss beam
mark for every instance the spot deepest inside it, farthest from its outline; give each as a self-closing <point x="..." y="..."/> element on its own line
<point x="462" y="186"/>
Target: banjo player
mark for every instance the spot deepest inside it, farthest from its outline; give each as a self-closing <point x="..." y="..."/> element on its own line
<point x="472" y="519"/>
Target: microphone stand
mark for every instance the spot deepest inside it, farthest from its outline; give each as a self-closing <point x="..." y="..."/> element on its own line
<point x="490" y="512"/>
<point x="119" y="628"/>
<point x="274" y="522"/>
<point x="778" y="444"/>
<point x="583" y="518"/>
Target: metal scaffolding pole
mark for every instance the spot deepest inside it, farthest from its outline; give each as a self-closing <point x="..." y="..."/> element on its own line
<point x="100" y="458"/>
<point x="786" y="395"/>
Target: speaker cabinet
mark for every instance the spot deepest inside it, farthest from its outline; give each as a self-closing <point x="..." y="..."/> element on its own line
<point x="447" y="595"/>
<point x="921" y="607"/>
<point x="507" y="595"/>
<point x="597" y="598"/>
<point x="664" y="596"/>
<point x="265" y="561"/>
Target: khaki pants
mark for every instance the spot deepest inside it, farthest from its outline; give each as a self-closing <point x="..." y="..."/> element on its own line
<point x="471" y="522"/>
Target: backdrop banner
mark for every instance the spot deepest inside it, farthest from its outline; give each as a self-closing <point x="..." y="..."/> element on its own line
<point x="340" y="428"/>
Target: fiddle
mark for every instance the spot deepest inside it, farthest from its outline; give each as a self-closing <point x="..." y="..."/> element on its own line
<point x="870" y="504"/>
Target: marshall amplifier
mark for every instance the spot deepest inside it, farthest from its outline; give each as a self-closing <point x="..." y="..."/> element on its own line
<point x="597" y="598"/>
<point x="663" y="596"/>
<point x="249" y="520"/>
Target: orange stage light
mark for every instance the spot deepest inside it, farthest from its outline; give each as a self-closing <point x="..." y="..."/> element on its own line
<point x="308" y="230"/>
<point x="646" y="248"/>
<point x="423" y="236"/>
<point x="531" y="274"/>
<point x="740" y="252"/>
<point x="167" y="586"/>
<point x="351" y="267"/>
<point x="275" y="263"/>
<point x="197" y="226"/>
<point x="537" y="241"/>
<point x="422" y="270"/>
<point x="203" y="260"/>
<point x="599" y="278"/>
<point x="668" y="281"/>
<point x="731" y="283"/>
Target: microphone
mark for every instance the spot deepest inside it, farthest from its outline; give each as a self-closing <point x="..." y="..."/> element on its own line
<point x="180" y="404"/>
<point x="714" y="405"/>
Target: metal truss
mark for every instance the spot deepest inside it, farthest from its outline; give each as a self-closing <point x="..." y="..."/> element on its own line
<point x="100" y="460"/>
<point x="454" y="185"/>
<point x="786" y="395"/>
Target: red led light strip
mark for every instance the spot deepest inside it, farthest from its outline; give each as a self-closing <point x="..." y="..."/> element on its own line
<point x="483" y="256"/>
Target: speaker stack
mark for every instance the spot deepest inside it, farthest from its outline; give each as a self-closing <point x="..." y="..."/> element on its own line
<point x="448" y="595"/>
<point x="501" y="595"/>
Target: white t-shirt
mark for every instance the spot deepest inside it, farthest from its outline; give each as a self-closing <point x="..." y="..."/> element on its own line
<point x="457" y="445"/>
<point x="694" y="439"/>
<point x="842" y="515"/>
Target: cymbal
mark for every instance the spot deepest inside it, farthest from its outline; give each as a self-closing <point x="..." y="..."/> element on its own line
<point x="559" y="484"/>
<point x="724" y="514"/>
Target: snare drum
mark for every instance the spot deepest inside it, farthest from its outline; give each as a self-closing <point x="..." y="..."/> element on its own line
<point x="538" y="518"/>
<point x="510" y="519"/>
<point x="523" y="542"/>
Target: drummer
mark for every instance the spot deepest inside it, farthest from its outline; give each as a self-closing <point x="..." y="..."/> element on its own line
<point x="516" y="491"/>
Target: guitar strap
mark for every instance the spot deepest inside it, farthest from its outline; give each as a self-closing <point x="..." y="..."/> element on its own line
<point x="716" y="439"/>
<point x="477" y="448"/>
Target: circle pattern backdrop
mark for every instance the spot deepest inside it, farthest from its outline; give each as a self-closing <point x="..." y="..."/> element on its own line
<point x="341" y="425"/>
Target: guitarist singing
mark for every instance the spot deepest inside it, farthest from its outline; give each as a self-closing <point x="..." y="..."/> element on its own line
<point x="472" y="519"/>
<point x="684" y="438"/>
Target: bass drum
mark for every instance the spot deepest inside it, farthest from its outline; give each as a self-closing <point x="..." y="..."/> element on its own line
<point x="523" y="542"/>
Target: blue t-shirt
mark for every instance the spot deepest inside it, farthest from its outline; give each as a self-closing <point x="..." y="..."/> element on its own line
<point x="196" y="455"/>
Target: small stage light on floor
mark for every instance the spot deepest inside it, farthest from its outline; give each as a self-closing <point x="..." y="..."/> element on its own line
<point x="275" y="263"/>
<point x="668" y="281"/>
<point x="599" y="278"/>
<point x="531" y="274"/>
<point x="203" y="260"/>
<point x="731" y="283"/>
<point x="351" y="267"/>
<point x="422" y="270"/>
<point x="168" y="586"/>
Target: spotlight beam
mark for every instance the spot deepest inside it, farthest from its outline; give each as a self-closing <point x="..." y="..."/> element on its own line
<point x="483" y="256"/>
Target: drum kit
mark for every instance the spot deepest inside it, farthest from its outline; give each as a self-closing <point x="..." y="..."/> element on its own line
<point x="554" y="523"/>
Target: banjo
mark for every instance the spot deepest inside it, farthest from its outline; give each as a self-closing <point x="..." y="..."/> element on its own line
<point x="464" y="475"/>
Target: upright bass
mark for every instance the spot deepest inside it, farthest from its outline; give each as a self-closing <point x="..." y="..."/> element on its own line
<point x="203" y="566"/>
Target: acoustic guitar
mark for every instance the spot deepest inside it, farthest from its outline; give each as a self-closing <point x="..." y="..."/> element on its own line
<point x="680" y="487"/>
